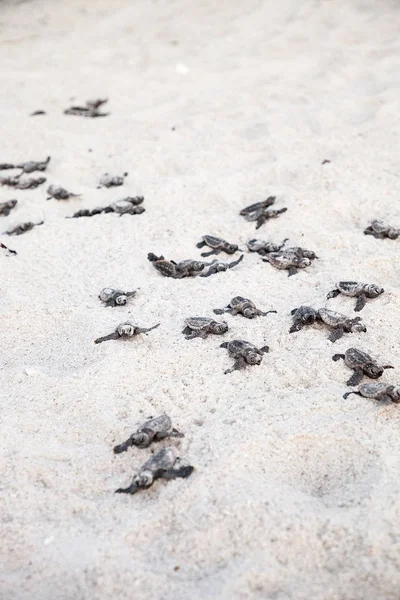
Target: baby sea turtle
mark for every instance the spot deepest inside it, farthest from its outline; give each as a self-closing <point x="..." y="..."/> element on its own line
<point x="33" y="165"/>
<point x="380" y="229"/>
<point x="305" y="315"/>
<point x="125" y="330"/>
<point x="184" y="268"/>
<point x="242" y="306"/>
<point x="112" y="297"/>
<point x="260" y="212"/>
<point x="263" y="248"/>
<point x="202" y="327"/>
<point x="286" y="260"/>
<point x="22" y="184"/>
<point x="91" y="109"/>
<point x="377" y="391"/>
<point x="217" y="244"/>
<point x="128" y="206"/>
<point x="153" y="430"/>
<point x="253" y="208"/>
<point x="244" y="353"/>
<point x="23" y="228"/>
<point x="6" y="207"/>
<point x="59" y="193"/>
<point x="218" y="266"/>
<point x="112" y="180"/>
<point x="8" y="250"/>
<point x="85" y="212"/>
<point x="361" y="291"/>
<point x="362" y="364"/>
<point x="6" y="166"/>
<point x="160" y="465"/>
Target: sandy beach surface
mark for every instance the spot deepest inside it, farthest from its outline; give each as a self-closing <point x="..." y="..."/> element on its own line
<point x="214" y="105"/>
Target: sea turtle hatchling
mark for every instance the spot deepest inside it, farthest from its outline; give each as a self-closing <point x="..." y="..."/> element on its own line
<point x="258" y="206"/>
<point x="60" y="193"/>
<point x="91" y="109"/>
<point x="22" y="228"/>
<point x="340" y="324"/>
<point x="202" y="327"/>
<point x="184" y="268"/>
<point x="219" y="266"/>
<point x="6" y="207"/>
<point x="361" y="291"/>
<point x="362" y="364"/>
<point x="112" y="297"/>
<point x="153" y="430"/>
<point x="263" y="248"/>
<point x="112" y="180"/>
<point x="22" y="184"/>
<point x="292" y="262"/>
<point x="377" y="391"/>
<point x="244" y="353"/>
<point x="125" y="330"/>
<point x="242" y="306"/>
<point x="128" y="206"/>
<point x="160" y="465"/>
<point x="380" y="229"/>
<point x="33" y="165"/>
<point x="217" y="245"/>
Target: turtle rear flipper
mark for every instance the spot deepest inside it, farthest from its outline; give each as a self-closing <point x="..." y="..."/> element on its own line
<point x="146" y="329"/>
<point x="106" y="338"/>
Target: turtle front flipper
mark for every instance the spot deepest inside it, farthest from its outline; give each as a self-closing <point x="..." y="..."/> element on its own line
<point x="132" y="489"/>
<point x="264" y="349"/>
<point x="356" y="378"/>
<point x="236" y="262"/>
<point x="201" y="244"/>
<point x="146" y="329"/>
<point x="111" y="336"/>
<point x="336" y="357"/>
<point x="292" y="271"/>
<point x="221" y="311"/>
<point x="297" y="326"/>
<point x="260" y="221"/>
<point x="333" y="294"/>
<point x="239" y="363"/>
<point x="387" y="367"/>
<point x="124" y="446"/>
<point x="336" y="334"/>
<point x="347" y="394"/>
<point x="210" y="253"/>
<point x="361" y="300"/>
<point x="211" y="271"/>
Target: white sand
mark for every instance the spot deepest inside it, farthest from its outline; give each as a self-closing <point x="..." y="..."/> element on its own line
<point x="296" y="492"/>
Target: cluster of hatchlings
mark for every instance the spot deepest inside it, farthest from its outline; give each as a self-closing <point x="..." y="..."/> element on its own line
<point x="165" y="464"/>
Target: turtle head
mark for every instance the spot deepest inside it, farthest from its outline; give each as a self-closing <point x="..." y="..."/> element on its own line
<point x="372" y="291"/>
<point x="302" y="263"/>
<point x="306" y="315"/>
<point x="140" y="439"/>
<point x="249" y="312"/>
<point x="394" y="392"/>
<point x="357" y="327"/>
<point x="126" y="329"/>
<point x="197" y="266"/>
<point x="231" y="248"/>
<point x="121" y="300"/>
<point x="144" y="479"/>
<point x="253" y="358"/>
<point x="373" y="371"/>
<point x="220" y="328"/>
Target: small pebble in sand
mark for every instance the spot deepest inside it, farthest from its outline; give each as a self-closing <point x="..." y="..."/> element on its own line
<point x="125" y="330"/>
<point x="91" y="109"/>
<point x="362" y="364"/>
<point x="6" y="207"/>
<point x="242" y="306"/>
<point x="23" y="228"/>
<point x="339" y="323"/>
<point x="361" y="291"/>
<point x="112" y="297"/>
<point x="153" y="430"/>
<point x="160" y="465"/>
<point x="59" y="193"/>
<point x="8" y="250"/>
<point x="380" y="229"/>
<point x="377" y="391"/>
<point x="184" y="268"/>
<point x="217" y="244"/>
<point x="244" y="353"/>
<point x="203" y="327"/>
<point x="22" y="184"/>
<point x="112" y="180"/>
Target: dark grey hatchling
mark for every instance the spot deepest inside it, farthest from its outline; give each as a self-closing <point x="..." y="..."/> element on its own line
<point x="112" y="180"/>
<point x="362" y="364"/>
<point x="162" y="465"/>
<point x="27" y="167"/>
<point x="377" y="391"/>
<point x="202" y="327"/>
<point x="244" y="353"/>
<point x="289" y="261"/>
<point x="242" y="306"/>
<point x="263" y="248"/>
<point x="217" y="245"/>
<point x="339" y="323"/>
<point x="184" y="268"/>
<point x="22" y="184"/>
<point x="60" y="193"/>
<point x="6" y="207"/>
<point x="112" y="297"/>
<point x="361" y="291"/>
<point x="91" y="109"/>
<point x="128" y="206"/>
<point x="125" y="330"/>
<point x="219" y="266"/>
<point x="260" y="212"/>
<point x="153" y="430"/>
<point x="23" y="228"/>
<point x="380" y="229"/>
